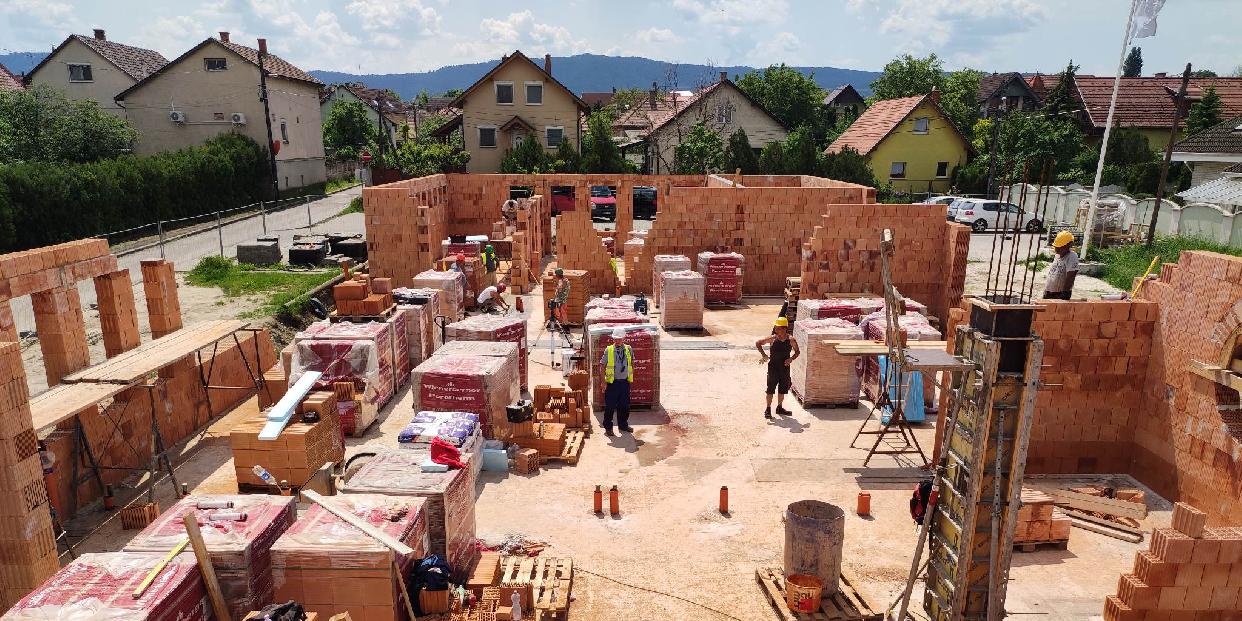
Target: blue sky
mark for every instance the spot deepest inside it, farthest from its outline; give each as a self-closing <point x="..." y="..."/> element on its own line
<point x="393" y="36"/>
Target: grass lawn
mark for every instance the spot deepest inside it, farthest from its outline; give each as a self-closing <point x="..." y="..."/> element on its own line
<point x="355" y="206"/>
<point x="278" y="285"/>
<point x="336" y="185"/>
<point x="1125" y="263"/>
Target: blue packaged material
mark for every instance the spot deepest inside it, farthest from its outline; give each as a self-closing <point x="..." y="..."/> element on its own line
<point x="911" y="391"/>
<point x="452" y="427"/>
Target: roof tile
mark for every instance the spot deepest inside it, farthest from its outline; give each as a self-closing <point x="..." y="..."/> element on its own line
<point x="136" y="62"/>
<point x="10" y="82"/>
<point x="869" y="129"/>
<point x="1148" y="101"/>
<point x="274" y="64"/>
<point x="1223" y="138"/>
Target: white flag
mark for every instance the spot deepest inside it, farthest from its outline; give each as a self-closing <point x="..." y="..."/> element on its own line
<point x="1145" y="18"/>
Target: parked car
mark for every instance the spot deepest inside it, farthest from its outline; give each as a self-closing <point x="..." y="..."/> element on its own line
<point x="938" y="200"/>
<point x="955" y="205"/>
<point x="603" y="203"/>
<point x="562" y="199"/>
<point x="982" y="215"/>
<point x="644" y="202"/>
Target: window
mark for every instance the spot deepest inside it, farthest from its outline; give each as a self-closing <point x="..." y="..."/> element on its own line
<point x="942" y="170"/>
<point x="504" y="93"/>
<point x="284" y="131"/>
<point x="897" y="170"/>
<point x="217" y="116"/>
<point x="534" y="93"/>
<point x="518" y="137"/>
<point x="553" y="136"/>
<point x="216" y="64"/>
<point x="80" y="73"/>
<point x="921" y="125"/>
<point x="487" y="137"/>
<point x="724" y="114"/>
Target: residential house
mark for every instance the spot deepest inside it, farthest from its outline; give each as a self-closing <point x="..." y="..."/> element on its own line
<point x="908" y="142"/>
<point x="844" y="99"/>
<point x="95" y="69"/>
<point x="9" y="81"/>
<point x="1212" y="152"/>
<point x="1147" y="104"/>
<point x="1005" y="92"/>
<point x="651" y="131"/>
<point x="516" y="99"/>
<point x="599" y="100"/>
<point x="214" y="88"/>
<point x="386" y="112"/>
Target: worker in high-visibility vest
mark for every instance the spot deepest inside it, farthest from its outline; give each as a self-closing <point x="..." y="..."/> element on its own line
<point x="618" y="368"/>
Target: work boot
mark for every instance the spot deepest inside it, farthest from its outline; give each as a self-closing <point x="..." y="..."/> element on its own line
<point x="783" y="412"/>
<point x="608" y="432"/>
<point x="627" y="429"/>
<point x="767" y="413"/>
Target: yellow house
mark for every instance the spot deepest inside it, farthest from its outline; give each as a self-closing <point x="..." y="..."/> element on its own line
<point x="908" y="142"/>
<point x="515" y="99"/>
<point x="96" y="69"/>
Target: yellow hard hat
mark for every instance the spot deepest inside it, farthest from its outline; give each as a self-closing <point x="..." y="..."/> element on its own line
<point x="1064" y="238"/>
<point x="781" y="322"/>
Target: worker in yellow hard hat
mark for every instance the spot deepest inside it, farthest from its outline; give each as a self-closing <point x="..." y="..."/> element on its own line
<point x="784" y="350"/>
<point x="1064" y="268"/>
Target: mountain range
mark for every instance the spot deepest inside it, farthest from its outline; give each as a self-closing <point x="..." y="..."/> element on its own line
<point x="581" y="73"/>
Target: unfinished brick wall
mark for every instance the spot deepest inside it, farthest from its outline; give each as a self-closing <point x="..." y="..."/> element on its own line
<point x="405" y="222"/>
<point x="62" y="332"/>
<point x="118" y="318"/>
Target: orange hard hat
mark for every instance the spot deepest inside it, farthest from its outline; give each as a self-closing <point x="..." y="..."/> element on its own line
<point x="460" y="257"/>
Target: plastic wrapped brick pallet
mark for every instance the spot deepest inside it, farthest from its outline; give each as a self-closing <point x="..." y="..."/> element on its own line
<point x="623" y="302"/>
<point x="917" y="328"/>
<point x="452" y="286"/>
<point x="357" y="352"/>
<point x="330" y="566"/>
<point x="851" y="309"/>
<point x="400" y="321"/>
<point x="240" y="551"/>
<point x="682" y="295"/>
<point x="422" y="306"/>
<point x="495" y="328"/>
<point x="644" y="338"/>
<point x="449" y="495"/>
<point x="470" y="376"/>
<point x="723" y="274"/>
<point x="666" y="263"/>
<point x="611" y="315"/>
<point x="820" y="375"/>
<point x="100" y="586"/>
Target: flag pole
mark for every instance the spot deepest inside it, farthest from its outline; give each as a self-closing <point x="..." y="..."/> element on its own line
<point x="1108" y="128"/>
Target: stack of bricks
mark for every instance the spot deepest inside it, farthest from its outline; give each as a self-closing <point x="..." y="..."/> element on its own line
<point x="1189" y="572"/>
<point x="477" y="277"/>
<point x="664" y="263"/>
<point x="27" y="546"/>
<point x="300" y="449"/>
<point x="100" y="585"/>
<point x="495" y="329"/>
<point x="114" y="294"/>
<point x="485" y="574"/>
<point x="405" y="222"/>
<point x="360" y="296"/>
<point x="528" y="243"/>
<point x="62" y="332"/>
<point x="547" y="439"/>
<point x="526" y="461"/>
<point x="632" y="250"/>
<point x="1096" y="355"/>
<point x="159" y="282"/>
<point x="452" y="288"/>
<point x="1039" y="521"/>
<point x="579" y="292"/>
<point x="420" y="307"/>
<point x="682" y="295"/>
<point x="561" y="405"/>
<point x="578" y="247"/>
<point x="479" y="377"/>
<point x="722" y="272"/>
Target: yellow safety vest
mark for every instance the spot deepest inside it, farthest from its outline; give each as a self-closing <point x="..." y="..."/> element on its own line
<point x="611" y="369"/>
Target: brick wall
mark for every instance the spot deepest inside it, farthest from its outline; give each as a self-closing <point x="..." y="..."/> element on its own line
<point x="405" y="222"/>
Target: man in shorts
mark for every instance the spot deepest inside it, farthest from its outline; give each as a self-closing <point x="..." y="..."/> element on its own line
<point x="560" y="297"/>
<point x="784" y="350"/>
<point x="490" y="299"/>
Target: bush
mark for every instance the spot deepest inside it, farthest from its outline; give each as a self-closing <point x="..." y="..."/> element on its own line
<point x="43" y="203"/>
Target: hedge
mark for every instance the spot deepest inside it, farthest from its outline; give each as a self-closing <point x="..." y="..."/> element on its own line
<point x="44" y="203"/>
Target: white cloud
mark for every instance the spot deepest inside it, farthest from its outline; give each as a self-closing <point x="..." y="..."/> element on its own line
<point x="394" y="14"/>
<point x="519" y="30"/>
<point x="656" y="36"/>
<point x="45" y="11"/>
<point x="783" y="47"/>
<point x="962" y="29"/>
<point x="319" y="42"/>
<point x="857" y="6"/>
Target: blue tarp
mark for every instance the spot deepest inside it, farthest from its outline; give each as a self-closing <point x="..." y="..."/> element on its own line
<point x="912" y="404"/>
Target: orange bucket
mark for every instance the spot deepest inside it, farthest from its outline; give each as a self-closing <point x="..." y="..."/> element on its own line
<point x="802" y="593"/>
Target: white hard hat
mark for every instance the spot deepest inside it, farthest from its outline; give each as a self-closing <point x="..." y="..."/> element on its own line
<point x="618" y="333"/>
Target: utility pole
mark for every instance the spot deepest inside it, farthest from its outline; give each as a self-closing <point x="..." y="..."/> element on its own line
<point x="996" y="121"/>
<point x="267" y="119"/>
<point x="1168" y="153"/>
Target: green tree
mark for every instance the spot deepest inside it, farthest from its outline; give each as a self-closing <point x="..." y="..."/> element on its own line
<point x="1203" y="73"/>
<point x="419" y="159"/>
<point x="700" y="152"/>
<point x="566" y="158"/>
<point x="1133" y="66"/>
<point x="348" y="129"/>
<point x="788" y="94"/>
<point x="907" y="76"/>
<point x="42" y="125"/>
<point x="960" y="98"/>
<point x="772" y="158"/>
<point x="600" y="153"/>
<point x="623" y="100"/>
<point x="848" y="165"/>
<point x="526" y="158"/>
<point x="739" y="154"/>
<point x="1204" y="113"/>
<point x="1127" y="147"/>
<point x="802" y="155"/>
<point x="422" y="98"/>
<point x="453" y="93"/>
<point x="1060" y="100"/>
<point x="1028" y="140"/>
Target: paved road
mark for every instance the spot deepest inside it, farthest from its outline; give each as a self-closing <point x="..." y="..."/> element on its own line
<point x="186" y="251"/>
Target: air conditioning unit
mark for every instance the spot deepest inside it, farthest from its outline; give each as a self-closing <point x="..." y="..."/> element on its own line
<point x="238" y="118"/>
<point x="176" y="116"/>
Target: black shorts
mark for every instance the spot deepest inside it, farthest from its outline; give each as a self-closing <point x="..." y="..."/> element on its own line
<point x="778" y="380"/>
<point x="1057" y="295"/>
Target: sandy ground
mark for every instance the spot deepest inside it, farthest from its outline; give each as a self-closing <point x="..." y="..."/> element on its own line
<point x="985" y="245"/>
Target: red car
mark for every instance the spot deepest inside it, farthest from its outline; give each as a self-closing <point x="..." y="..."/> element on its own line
<point x="562" y="199"/>
<point x="603" y="203"/>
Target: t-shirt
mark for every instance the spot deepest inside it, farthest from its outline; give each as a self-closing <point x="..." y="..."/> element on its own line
<point x="620" y="370"/>
<point x="454" y="268"/>
<point x="487" y="294"/>
<point x="1058" y="272"/>
<point x="780" y="352"/>
<point x="562" y="292"/>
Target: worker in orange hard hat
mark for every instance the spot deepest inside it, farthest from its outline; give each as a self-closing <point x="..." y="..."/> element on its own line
<point x="459" y="263"/>
<point x="1064" y="268"/>
<point x="784" y="350"/>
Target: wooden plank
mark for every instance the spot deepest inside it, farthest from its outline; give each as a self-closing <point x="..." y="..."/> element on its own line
<point x="1099" y="504"/>
<point x="1101" y="521"/>
<point x="214" y="594"/>
<point x="64" y="401"/>
<point x="1106" y="530"/>
<point x="359" y="523"/>
<point x="281" y="413"/>
<point x="775" y="595"/>
<point x="137" y="363"/>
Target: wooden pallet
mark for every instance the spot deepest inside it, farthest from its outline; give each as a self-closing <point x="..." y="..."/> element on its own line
<point x="548" y="581"/>
<point x="1031" y="546"/>
<point x="573" y="448"/>
<point x="336" y="317"/>
<point x="846" y="604"/>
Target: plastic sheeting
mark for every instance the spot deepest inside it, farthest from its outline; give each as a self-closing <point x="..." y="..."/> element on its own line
<point x="851" y="308"/>
<point x="666" y="263"/>
<point x="723" y="274"/>
<point x="452" y="287"/>
<point x="645" y="376"/>
<point x="100" y="586"/>
<point x="480" y="377"/>
<point x="357" y="352"/>
<point x="424" y="335"/>
<point x="682" y="297"/>
<point x="917" y="328"/>
<point x="400" y="321"/>
<point x="821" y="376"/>
<point x="496" y="329"/>
<point x="609" y="314"/>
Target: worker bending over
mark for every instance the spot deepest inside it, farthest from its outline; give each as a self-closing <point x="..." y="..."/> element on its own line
<point x="618" y="366"/>
<point x="1064" y="268"/>
<point x="784" y="351"/>
<point x="490" y="299"/>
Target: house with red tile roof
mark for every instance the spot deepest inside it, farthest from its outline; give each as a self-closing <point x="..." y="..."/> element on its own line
<point x="1213" y="152"/>
<point x="215" y="88"/>
<point x="9" y="81"/>
<point x="1146" y="104"/>
<point x="95" y="68"/>
<point x="908" y="142"/>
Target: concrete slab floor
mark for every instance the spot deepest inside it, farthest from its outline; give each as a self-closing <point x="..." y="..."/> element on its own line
<point x="670" y="541"/>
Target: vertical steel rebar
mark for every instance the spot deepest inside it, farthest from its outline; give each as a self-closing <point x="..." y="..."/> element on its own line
<point x="263" y="215"/>
<point x="159" y="227"/>
<point x="1017" y="232"/>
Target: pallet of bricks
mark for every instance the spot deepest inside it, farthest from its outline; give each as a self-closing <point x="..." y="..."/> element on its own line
<point x="449" y="499"/>
<point x="421" y="307"/>
<point x="851" y="306"/>
<point x="1188" y="572"/>
<point x="359" y="296"/>
<point x="361" y="353"/>
<point x="496" y="329"/>
<point x="821" y="376"/>
<point x="101" y="586"/>
<point x="644" y="339"/>
<point x="666" y="263"/>
<point x="330" y="566"/>
<point x="452" y="287"/>
<point x="682" y="296"/>
<point x="470" y="376"/>
<point x="633" y="249"/>
<point x="1040" y="522"/>
<point x="564" y="406"/>
<point x="579" y="293"/>
<point x="301" y="449"/>
<point x="915" y="326"/>
<point x="722" y="272"/>
<point x="238" y="531"/>
<point x="476" y="277"/>
<point x="613" y="311"/>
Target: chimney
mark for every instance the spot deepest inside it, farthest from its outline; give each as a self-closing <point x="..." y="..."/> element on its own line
<point x="724" y="75"/>
<point x="1162" y="75"/>
<point x="263" y="46"/>
<point x="651" y="96"/>
<point x="224" y="36"/>
<point x="547" y="64"/>
<point x="935" y="95"/>
<point x="99" y="34"/>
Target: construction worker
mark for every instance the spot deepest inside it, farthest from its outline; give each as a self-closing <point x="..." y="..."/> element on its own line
<point x="491" y="299"/>
<point x="490" y="261"/>
<point x="784" y="351"/>
<point x="618" y="365"/>
<point x="1064" y="268"/>
<point x="459" y="264"/>
<point x="560" y="296"/>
